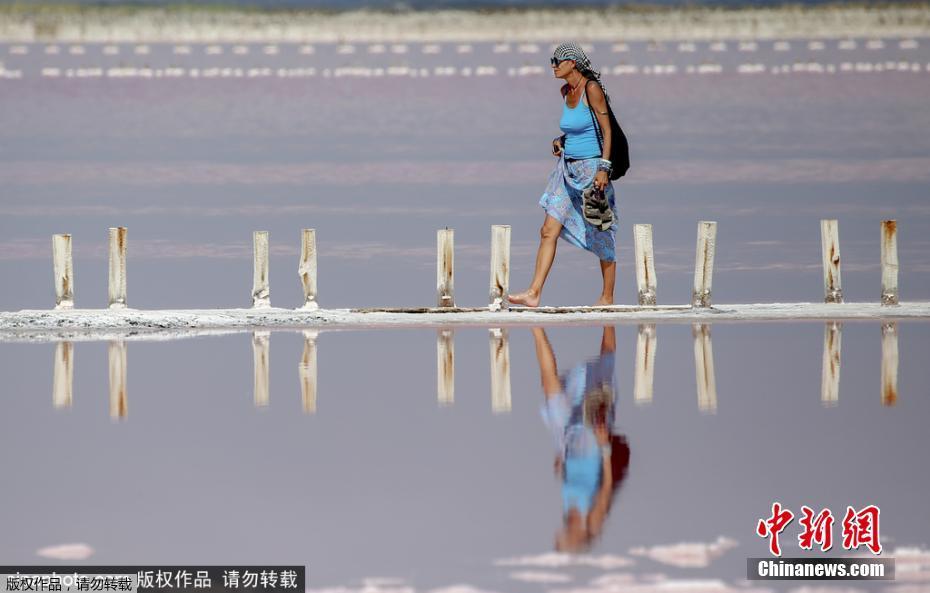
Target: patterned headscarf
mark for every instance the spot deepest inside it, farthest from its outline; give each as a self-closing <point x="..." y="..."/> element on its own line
<point x="573" y="51"/>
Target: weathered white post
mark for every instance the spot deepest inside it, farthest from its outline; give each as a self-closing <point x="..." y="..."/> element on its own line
<point x="62" y="378"/>
<point x="64" y="271"/>
<point x="500" y="370"/>
<point x="643" y="380"/>
<point x="889" y="364"/>
<point x="704" y="264"/>
<point x="500" y="266"/>
<point x="260" y="360"/>
<point x="830" y="250"/>
<point x="889" y="262"/>
<point x="117" y="287"/>
<point x="445" y="367"/>
<point x="261" y="293"/>
<point x="830" y="373"/>
<point x="445" y="253"/>
<point x="645" y="264"/>
<point x="704" y="368"/>
<point x="308" y="373"/>
<point x="306" y="268"/>
<point x="117" y="363"/>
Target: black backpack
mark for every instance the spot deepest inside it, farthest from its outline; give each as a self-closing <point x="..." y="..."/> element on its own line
<point x="619" y="147"/>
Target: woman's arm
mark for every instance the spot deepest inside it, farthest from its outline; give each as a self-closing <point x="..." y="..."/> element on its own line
<point x="599" y="104"/>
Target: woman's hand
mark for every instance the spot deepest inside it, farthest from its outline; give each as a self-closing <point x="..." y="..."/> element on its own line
<point x="600" y="180"/>
<point x="557" y="147"/>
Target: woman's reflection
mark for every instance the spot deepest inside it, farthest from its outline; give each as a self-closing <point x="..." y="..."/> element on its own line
<point x="590" y="460"/>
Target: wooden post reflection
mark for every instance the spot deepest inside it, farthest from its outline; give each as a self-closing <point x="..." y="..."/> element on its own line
<point x="646" y="343"/>
<point x="445" y="367"/>
<point x="260" y="346"/>
<point x="117" y="356"/>
<point x="704" y="368"/>
<point x="889" y="364"/>
<point x="500" y="370"/>
<point x="307" y="372"/>
<point x="830" y="376"/>
<point x="62" y="377"/>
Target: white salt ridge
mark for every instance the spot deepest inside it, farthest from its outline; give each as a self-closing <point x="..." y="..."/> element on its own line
<point x="182" y="50"/>
<point x="908" y="44"/>
<point x="21" y="324"/>
<point x="152" y="25"/>
<point x="687" y="554"/>
<point x="875" y="44"/>
<point x="76" y="50"/>
<point x="748" y="46"/>
<point x="142" y="49"/>
<point x="781" y="46"/>
<point x="79" y="551"/>
<point x="847" y="45"/>
<point x="19" y="50"/>
<point x="718" y="46"/>
<point x="816" y="46"/>
<point x="750" y="68"/>
<point x="687" y="47"/>
<point x="464" y="49"/>
<point x="240" y="50"/>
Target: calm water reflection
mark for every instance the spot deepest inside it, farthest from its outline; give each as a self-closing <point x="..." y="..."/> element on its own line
<point x="531" y="458"/>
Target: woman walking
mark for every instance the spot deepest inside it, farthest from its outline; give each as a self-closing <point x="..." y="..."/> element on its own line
<point x="584" y="153"/>
<point x="591" y="460"/>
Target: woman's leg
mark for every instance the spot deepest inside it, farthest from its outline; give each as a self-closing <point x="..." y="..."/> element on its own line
<point x="548" y="238"/>
<point x="609" y="274"/>
<point x="548" y="371"/>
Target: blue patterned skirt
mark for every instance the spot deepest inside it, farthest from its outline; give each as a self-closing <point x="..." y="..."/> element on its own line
<point x="562" y="201"/>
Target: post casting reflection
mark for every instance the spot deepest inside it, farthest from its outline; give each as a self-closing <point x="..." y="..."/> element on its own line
<point x="591" y="461"/>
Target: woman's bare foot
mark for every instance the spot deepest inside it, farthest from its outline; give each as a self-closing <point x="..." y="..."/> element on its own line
<point x="527" y="298"/>
<point x="604" y="302"/>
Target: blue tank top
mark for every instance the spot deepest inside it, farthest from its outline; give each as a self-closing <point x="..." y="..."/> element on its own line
<point x="578" y="127"/>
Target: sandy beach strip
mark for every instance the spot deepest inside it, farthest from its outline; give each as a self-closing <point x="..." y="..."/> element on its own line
<point x="27" y="23"/>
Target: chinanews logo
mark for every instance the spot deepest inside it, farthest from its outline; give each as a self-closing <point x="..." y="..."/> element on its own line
<point x="860" y="530"/>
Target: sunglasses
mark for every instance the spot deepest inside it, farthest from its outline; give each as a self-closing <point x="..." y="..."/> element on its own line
<point x="556" y="61"/>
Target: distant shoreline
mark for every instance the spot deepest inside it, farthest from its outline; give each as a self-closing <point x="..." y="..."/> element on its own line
<point x="70" y="23"/>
